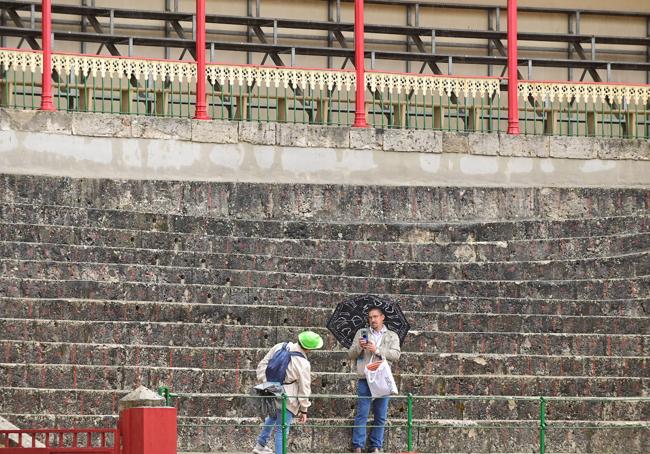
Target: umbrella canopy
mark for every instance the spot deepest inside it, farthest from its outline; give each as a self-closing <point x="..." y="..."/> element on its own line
<point x="351" y="315"/>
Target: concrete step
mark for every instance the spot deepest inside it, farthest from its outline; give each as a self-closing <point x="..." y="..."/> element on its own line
<point x="301" y="239"/>
<point x="426" y="231"/>
<point x="455" y="436"/>
<point x="62" y="400"/>
<point x="98" y="310"/>
<point x="287" y="300"/>
<point x="324" y="202"/>
<point x="538" y="287"/>
<point x="190" y="247"/>
<point x="630" y="264"/>
<point x="32" y="352"/>
<point x="228" y="380"/>
<point x="631" y="304"/>
<point x="204" y="334"/>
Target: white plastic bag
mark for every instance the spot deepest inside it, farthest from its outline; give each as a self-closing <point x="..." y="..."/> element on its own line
<point x="381" y="381"/>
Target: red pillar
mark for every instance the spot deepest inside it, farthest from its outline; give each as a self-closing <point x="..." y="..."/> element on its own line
<point x="46" y="80"/>
<point x="359" y="63"/>
<point x="513" y="95"/>
<point x="148" y="430"/>
<point x="201" y="112"/>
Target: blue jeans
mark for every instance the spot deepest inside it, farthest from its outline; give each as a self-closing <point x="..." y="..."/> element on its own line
<point x="274" y="423"/>
<point x="379" y="411"/>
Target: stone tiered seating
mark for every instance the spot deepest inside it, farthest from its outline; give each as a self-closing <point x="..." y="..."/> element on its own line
<point x="511" y="292"/>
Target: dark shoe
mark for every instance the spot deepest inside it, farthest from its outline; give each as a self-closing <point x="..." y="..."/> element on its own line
<point x="374" y="450"/>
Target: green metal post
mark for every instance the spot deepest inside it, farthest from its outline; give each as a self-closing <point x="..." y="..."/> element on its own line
<point x="409" y="422"/>
<point x="542" y="425"/>
<point x="284" y="423"/>
<point x="164" y="391"/>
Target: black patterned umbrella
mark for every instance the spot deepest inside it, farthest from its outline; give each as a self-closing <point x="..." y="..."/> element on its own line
<point x="351" y="315"/>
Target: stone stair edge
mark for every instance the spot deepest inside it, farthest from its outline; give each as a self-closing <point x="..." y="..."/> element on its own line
<point x="444" y="299"/>
<point x="642" y="277"/>
<point x="204" y="293"/>
<point x="351" y="376"/>
<point x="463" y="355"/>
<point x="318" y="328"/>
<point x="449" y="224"/>
<point x="280" y="241"/>
<point x="276" y="307"/>
<point x="459" y="263"/>
<point x="170" y="189"/>
<point x="641" y="214"/>
<point x="398" y="397"/>
<point x="227" y="310"/>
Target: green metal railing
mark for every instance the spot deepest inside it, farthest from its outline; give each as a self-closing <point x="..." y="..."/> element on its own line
<point x="96" y="94"/>
<point x="166" y="88"/>
<point x="542" y="425"/>
<point x="585" y="109"/>
<point x="605" y="119"/>
<point x="261" y="103"/>
<point x="438" y="112"/>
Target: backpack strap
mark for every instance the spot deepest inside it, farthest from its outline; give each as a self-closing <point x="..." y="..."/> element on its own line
<point x="293" y="354"/>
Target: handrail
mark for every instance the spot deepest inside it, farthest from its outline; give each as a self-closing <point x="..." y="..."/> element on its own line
<point x="168" y="15"/>
<point x="543" y="426"/>
<point x="479" y="7"/>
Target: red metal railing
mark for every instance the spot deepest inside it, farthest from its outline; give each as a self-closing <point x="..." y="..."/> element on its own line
<point x="46" y="441"/>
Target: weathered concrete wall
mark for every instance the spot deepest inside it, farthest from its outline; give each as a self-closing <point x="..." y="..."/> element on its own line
<point x="117" y="146"/>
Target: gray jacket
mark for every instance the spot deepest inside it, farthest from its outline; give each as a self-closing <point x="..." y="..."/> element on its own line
<point x="388" y="349"/>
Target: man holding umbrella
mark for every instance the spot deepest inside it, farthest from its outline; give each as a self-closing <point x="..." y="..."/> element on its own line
<point x="370" y="345"/>
<point x="372" y="329"/>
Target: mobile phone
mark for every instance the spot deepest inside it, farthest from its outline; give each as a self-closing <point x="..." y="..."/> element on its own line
<point x="364" y="334"/>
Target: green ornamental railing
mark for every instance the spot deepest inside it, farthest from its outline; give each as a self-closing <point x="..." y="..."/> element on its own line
<point x="166" y="88"/>
<point x="541" y="425"/>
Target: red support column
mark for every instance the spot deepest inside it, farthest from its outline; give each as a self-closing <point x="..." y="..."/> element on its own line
<point x="513" y="94"/>
<point x="201" y="112"/>
<point x="46" y="80"/>
<point x="359" y="63"/>
<point x="148" y="430"/>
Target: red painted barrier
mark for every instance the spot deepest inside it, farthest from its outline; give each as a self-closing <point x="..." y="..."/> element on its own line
<point x="51" y="441"/>
<point x="148" y="430"/>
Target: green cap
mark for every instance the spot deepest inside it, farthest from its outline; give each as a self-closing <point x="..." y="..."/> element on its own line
<point x="310" y="340"/>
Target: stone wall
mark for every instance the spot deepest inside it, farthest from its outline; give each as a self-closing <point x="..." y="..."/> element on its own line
<point x="108" y="284"/>
<point x="137" y="147"/>
<point x="522" y="263"/>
